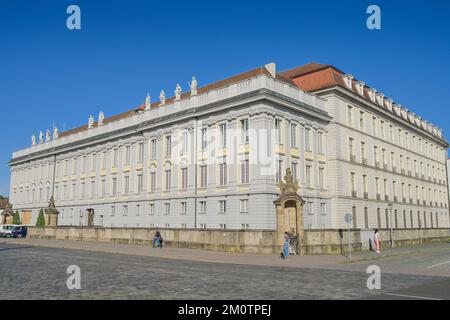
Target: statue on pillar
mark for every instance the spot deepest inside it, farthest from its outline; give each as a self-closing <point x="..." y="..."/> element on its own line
<point x="41" y="137"/>
<point x="47" y="135"/>
<point x="101" y="118"/>
<point x="290" y="186"/>
<point x="162" y="97"/>
<point x="33" y="140"/>
<point x="148" y="102"/>
<point x="52" y="213"/>
<point x="193" y="86"/>
<point x="55" y="133"/>
<point x="178" y="92"/>
<point x="8" y="214"/>
<point x="91" y="122"/>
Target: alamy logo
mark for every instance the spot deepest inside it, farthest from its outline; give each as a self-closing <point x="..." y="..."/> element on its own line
<point x="74" y="281"/>
<point x="374" y="280"/>
<point x="374" y="20"/>
<point x="73" y="21"/>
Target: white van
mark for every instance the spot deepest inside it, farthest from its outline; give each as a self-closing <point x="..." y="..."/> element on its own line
<point x="5" y="229"/>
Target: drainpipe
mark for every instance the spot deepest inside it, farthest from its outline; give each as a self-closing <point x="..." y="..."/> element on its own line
<point x="54" y="176"/>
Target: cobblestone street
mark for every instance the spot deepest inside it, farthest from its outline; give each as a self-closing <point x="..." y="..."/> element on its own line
<point x="31" y="272"/>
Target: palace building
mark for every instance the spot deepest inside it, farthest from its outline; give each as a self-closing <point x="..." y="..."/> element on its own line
<point x="212" y="157"/>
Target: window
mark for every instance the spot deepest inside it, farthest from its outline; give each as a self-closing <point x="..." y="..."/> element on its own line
<point x="203" y="176"/>
<point x="168" y="176"/>
<point x="352" y="184"/>
<point x="308" y="176"/>
<point x="114" y="186"/>
<point x="103" y="188"/>
<point x="277" y="131"/>
<point x="244" y="206"/>
<point x="223" y="173"/>
<point x="244" y="131"/>
<point x="140" y="152"/>
<point x="127" y="155"/>
<point x="93" y="189"/>
<point x="293" y="135"/>
<point x="166" y="208"/>
<point x="115" y="157"/>
<point x="152" y="181"/>
<point x="183" y="207"/>
<point x="222" y="226"/>
<point x="363" y="152"/>
<point x="93" y="163"/>
<point x="113" y="211"/>
<point x="202" y="225"/>
<point x="223" y="135"/>
<point x="184" y="142"/>
<point x="245" y="171"/>
<point x="204" y="139"/>
<point x="184" y="178"/>
<point x="374" y="126"/>
<point x="138" y="209"/>
<point x="321" y="180"/>
<point x="202" y="207"/>
<point x="168" y="146"/>
<point x="125" y="211"/>
<point x="244" y="226"/>
<point x="320" y="142"/>
<point x="350" y="149"/>
<point x="279" y="172"/>
<point x="222" y="206"/>
<point x="126" y="185"/>
<point x="294" y="170"/>
<point x="307" y="139"/>
<point x="350" y="116"/>
<point x="140" y="182"/>
<point x="153" y="149"/>
<point x="83" y="190"/>
<point x="366" y="218"/>
<point x="104" y="159"/>
<point x="361" y="120"/>
<point x="151" y="208"/>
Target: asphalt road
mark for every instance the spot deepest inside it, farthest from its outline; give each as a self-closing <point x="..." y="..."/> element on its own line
<point x="29" y="272"/>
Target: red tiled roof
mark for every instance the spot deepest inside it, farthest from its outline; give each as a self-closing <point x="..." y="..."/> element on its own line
<point x="208" y="87"/>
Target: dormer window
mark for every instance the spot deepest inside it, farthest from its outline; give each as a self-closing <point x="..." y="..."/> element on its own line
<point x="389" y="103"/>
<point x="348" y="78"/>
<point x="360" y="87"/>
<point x="372" y="93"/>
<point x="380" y="98"/>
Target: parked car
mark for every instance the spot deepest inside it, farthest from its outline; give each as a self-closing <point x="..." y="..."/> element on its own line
<point x="6" y="230"/>
<point x="19" y="232"/>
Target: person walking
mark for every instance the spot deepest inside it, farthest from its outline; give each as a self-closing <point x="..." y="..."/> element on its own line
<point x="376" y="240"/>
<point x="157" y="238"/>
<point x="286" y="245"/>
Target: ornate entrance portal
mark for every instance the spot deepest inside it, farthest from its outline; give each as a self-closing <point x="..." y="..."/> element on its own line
<point x="289" y="211"/>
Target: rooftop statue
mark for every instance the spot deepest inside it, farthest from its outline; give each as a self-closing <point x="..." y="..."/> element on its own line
<point x="47" y="135"/>
<point x="41" y="137"/>
<point x="101" y="118"/>
<point x="162" y="97"/>
<point x="148" y="102"/>
<point x="193" y="86"/>
<point x="55" y="133"/>
<point x="33" y="140"/>
<point x="178" y="92"/>
<point x="91" y="121"/>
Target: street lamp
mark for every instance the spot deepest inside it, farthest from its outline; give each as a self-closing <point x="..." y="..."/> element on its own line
<point x="390" y="206"/>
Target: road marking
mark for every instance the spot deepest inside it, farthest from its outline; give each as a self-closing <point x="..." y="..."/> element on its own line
<point x="439" y="264"/>
<point x="407" y="296"/>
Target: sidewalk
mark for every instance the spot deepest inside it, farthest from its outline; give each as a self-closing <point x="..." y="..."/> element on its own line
<point x="310" y="261"/>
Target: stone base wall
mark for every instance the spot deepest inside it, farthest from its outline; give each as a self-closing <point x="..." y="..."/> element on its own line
<point x="329" y="241"/>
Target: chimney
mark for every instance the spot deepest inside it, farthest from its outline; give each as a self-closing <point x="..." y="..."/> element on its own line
<point x="272" y="68"/>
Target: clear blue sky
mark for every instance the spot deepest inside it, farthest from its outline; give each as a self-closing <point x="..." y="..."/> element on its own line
<point x="125" y="49"/>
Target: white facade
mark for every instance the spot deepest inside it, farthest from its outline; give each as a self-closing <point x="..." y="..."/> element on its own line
<point x="111" y="168"/>
<point x="133" y="176"/>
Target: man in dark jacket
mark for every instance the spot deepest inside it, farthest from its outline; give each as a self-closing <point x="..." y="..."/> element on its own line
<point x="157" y="238"/>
